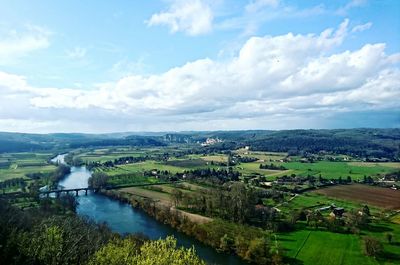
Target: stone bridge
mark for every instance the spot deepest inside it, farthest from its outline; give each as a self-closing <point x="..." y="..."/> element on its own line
<point x="67" y="191"/>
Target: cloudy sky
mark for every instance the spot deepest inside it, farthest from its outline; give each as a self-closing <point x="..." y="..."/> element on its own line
<point x="112" y="66"/>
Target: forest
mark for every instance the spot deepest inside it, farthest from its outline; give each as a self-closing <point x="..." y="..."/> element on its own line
<point x="364" y="143"/>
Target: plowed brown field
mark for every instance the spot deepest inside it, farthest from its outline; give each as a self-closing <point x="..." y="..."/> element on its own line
<point x="381" y="197"/>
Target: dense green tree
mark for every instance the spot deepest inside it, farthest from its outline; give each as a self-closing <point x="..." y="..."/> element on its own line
<point x="61" y="171"/>
<point x="160" y="252"/>
<point x="116" y="252"/>
<point x="389" y="237"/>
<point x="226" y="243"/>
<point x="47" y="245"/>
<point x="258" y="251"/>
<point x="98" y="180"/>
<point x="372" y="247"/>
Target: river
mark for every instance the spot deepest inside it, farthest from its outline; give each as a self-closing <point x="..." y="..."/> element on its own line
<point x="122" y="218"/>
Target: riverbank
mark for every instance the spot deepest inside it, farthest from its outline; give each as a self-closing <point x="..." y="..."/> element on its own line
<point x="161" y="202"/>
<point x="125" y="219"/>
<point x="161" y="211"/>
<point x="247" y="242"/>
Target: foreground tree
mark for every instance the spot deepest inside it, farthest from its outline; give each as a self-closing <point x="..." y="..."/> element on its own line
<point x="47" y="246"/>
<point x="161" y="252"/>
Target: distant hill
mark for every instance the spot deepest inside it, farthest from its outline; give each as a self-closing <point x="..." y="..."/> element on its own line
<point x="380" y="143"/>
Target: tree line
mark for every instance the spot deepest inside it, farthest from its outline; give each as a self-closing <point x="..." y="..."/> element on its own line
<point x="218" y="176"/>
<point x="272" y="167"/>
<point x="12" y="183"/>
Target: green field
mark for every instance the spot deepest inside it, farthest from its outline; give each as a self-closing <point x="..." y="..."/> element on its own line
<point x="187" y="163"/>
<point x="337" y="169"/>
<point x="253" y="168"/>
<point x="109" y="154"/>
<point x="313" y="201"/>
<point x="172" y="165"/>
<point x="215" y="158"/>
<point x="104" y="158"/>
<point x="131" y="179"/>
<point x="139" y="168"/>
<point x="162" y="192"/>
<point x="327" y="169"/>
<point x="330" y="170"/>
<point x="263" y="156"/>
<point x="20" y="164"/>
<point x="319" y="247"/>
<point x="309" y="246"/>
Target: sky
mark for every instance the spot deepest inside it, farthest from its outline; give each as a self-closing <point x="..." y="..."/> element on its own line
<point x="100" y="66"/>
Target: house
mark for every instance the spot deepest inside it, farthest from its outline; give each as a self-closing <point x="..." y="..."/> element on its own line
<point x="324" y="208"/>
<point x="287" y="159"/>
<point x="337" y="212"/>
<point x="266" y="184"/>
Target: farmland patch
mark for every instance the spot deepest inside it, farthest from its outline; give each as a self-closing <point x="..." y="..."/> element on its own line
<point x="381" y="197"/>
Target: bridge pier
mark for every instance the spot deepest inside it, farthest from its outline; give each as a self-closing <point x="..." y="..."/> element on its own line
<point x="86" y="192"/>
<point x="76" y="193"/>
<point x="48" y="194"/>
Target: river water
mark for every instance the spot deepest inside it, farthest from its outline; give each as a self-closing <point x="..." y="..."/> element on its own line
<point x="122" y="218"/>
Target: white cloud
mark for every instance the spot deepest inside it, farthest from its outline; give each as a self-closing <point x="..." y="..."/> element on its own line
<point x="383" y="87"/>
<point x="193" y="17"/>
<point x="255" y="5"/>
<point x="362" y="27"/>
<point x="18" y="43"/>
<point x="76" y="53"/>
<point x="258" y="12"/>
<point x="350" y="5"/>
<point x="272" y="79"/>
<point x="126" y="67"/>
<point x="9" y="82"/>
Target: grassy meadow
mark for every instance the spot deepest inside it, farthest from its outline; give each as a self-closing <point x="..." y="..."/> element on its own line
<point x="18" y="165"/>
<point x="327" y="169"/>
<point x="309" y="246"/>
